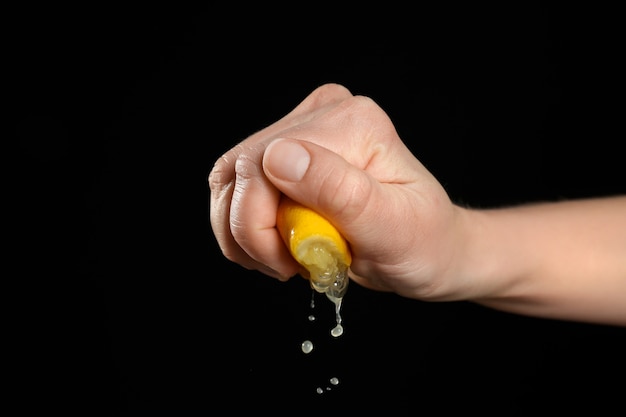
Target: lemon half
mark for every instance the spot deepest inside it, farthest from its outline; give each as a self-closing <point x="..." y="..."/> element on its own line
<point x="316" y="245"/>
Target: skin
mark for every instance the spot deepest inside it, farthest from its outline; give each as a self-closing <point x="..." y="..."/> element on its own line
<point x="341" y="155"/>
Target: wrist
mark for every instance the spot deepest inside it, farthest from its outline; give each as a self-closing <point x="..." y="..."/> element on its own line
<point x="482" y="264"/>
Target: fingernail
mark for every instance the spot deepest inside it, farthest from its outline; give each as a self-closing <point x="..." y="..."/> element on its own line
<point x="286" y="159"/>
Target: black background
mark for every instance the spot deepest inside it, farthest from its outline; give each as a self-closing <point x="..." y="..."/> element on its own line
<point x="124" y="303"/>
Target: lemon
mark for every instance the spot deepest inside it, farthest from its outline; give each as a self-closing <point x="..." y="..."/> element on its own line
<point x="315" y="244"/>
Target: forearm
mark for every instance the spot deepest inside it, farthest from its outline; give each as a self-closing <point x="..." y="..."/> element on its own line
<point x="564" y="260"/>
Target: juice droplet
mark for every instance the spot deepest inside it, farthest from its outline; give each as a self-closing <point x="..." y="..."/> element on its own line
<point x="337" y="330"/>
<point x="307" y="346"/>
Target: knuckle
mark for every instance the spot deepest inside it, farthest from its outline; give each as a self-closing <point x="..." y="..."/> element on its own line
<point x="219" y="174"/>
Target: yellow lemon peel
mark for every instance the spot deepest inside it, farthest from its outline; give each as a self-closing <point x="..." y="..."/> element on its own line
<point x="316" y="245"/>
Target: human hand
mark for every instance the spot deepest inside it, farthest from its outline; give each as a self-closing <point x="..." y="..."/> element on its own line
<point x="340" y="155"/>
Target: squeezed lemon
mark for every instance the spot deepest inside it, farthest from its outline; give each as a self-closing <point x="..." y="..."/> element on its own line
<point x="316" y="245"/>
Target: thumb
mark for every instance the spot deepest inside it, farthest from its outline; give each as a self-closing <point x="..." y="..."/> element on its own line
<point x="319" y="179"/>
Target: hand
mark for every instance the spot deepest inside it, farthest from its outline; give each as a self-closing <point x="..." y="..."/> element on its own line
<point x="340" y="155"/>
